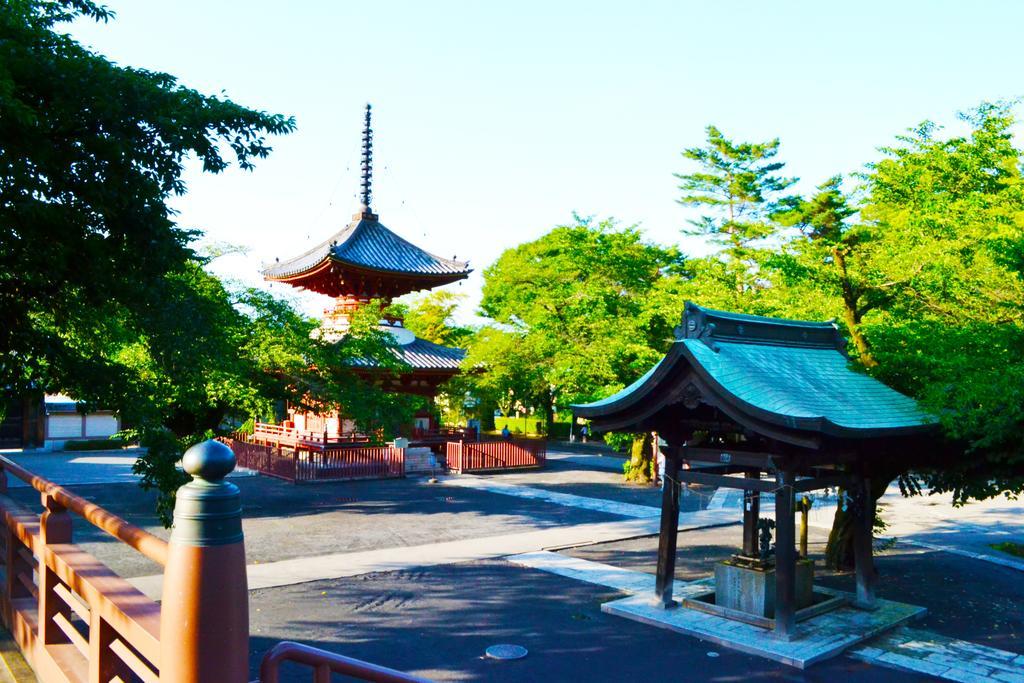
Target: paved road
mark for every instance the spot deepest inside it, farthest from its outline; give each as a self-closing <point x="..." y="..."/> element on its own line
<point x="437" y="622"/>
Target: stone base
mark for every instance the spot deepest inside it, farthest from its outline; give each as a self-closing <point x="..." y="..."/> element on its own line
<point x="752" y="589"/>
<point x="816" y="638"/>
<point x="417" y="460"/>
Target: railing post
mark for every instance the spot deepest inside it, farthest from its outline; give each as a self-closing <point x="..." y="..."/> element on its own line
<point x="54" y="528"/>
<point x="204" y="621"/>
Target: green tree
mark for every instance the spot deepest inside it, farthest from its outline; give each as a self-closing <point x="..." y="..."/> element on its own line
<point x="101" y="293"/>
<point x="925" y="277"/>
<point x="738" y="186"/>
<point x="565" y="311"/>
<point x="431" y="316"/>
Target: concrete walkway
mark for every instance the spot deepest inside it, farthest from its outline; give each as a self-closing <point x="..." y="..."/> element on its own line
<point x="339" y="565"/>
<point x="611" y="463"/>
<point x="929" y="653"/>
<point x="566" y="499"/>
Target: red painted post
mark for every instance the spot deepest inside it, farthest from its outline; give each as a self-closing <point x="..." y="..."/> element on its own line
<point x="204" y="622"/>
<point x="54" y="527"/>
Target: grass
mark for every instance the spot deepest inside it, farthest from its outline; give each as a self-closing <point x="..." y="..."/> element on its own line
<point x="1009" y="547"/>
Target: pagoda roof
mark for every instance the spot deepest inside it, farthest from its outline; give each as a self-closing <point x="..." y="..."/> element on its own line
<point x="366" y="243"/>
<point x="789" y="375"/>
<point x="423" y="355"/>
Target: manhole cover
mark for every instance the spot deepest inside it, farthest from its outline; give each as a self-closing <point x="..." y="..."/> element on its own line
<point x="506" y="651"/>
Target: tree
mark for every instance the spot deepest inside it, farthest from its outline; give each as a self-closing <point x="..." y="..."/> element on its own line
<point x="927" y="283"/>
<point x="430" y="317"/>
<point x="738" y="185"/>
<point x="101" y="293"/>
<point x="565" y="311"/>
<point x="950" y="214"/>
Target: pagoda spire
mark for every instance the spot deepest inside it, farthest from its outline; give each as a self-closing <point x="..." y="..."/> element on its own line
<point x="367" y="162"/>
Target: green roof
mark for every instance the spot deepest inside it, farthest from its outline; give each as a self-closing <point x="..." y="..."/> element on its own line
<point x="793" y="374"/>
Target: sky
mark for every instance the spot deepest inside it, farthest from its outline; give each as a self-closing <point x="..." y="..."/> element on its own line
<point x="494" y="122"/>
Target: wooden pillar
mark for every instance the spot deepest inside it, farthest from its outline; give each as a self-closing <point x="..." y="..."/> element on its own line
<point x="785" y="557"/>
<point x="805" y="509"/>
<point x="751" y="513"/>
<point x="863" y="536"/>
<point x="54" y="528"/>
<point x="204" y="620"/>
<point x="669" y="529"/>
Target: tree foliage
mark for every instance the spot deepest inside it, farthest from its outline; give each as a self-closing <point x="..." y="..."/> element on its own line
<point x="738" y="186"/>
<point x="101" y="293"/>
<point x="430" y="316"/>
<point x="567" y="312"/>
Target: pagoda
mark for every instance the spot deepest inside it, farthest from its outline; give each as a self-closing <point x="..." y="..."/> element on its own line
<point x="364" y="261"/>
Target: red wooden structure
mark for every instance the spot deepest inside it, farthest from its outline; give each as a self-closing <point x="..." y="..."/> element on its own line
<point x="305" y="440"/>
<point x="331" y="464"/>
<point x="490" y="456"/>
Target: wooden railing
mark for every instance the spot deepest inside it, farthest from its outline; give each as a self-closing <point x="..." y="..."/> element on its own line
<point x="73" y="618"/>
<point x="444" y="434"/>
<point x="269" y="460"/>
<point x="495" y="455"/>
<point x="325" y="663"/>
<point x="278" y="435"/>
<point x="383" y="462"/>
<point x="349" y="462"/>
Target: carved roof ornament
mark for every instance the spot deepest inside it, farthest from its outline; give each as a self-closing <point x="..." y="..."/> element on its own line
<point x="367" y="165"/>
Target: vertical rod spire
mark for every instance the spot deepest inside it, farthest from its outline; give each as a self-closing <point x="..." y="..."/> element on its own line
<point x="367" y="161"/>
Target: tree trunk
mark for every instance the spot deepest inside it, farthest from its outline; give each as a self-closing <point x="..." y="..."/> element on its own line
<point x="851" y="313"/>
<point x="641" y="459"/>
<point x="839" y="551"/>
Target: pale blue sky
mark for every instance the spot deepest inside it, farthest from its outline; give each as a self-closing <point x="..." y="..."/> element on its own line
<point x="495" y="121"/>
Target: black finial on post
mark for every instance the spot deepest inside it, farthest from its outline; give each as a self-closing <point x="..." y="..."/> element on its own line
<point x="367" y="161"/>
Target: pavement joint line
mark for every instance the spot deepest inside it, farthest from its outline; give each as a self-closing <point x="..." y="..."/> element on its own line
<point x="565" y="499"/>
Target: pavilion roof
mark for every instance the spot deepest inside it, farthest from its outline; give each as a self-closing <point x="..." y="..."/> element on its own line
<point x="366" y="243"/>
<point x="791" y="374"/>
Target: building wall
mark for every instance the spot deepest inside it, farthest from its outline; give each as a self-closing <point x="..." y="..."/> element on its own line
<point x="64" y="427"/>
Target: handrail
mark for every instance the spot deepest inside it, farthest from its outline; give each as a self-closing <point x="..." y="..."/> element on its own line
<point x="147" y="544"/>
<point x="325" y="663"/>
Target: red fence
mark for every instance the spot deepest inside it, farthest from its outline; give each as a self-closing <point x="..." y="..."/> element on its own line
<point x="264" y="459"/>
<point x="495" y="455"/>
<point x="350" y="462"/>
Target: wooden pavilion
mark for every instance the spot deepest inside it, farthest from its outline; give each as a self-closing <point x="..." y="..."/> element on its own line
<point x="766" y="405"/>
<point x="364" y="261"/>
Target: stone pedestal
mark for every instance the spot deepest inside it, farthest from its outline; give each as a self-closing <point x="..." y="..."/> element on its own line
<point x="752" y="589"/>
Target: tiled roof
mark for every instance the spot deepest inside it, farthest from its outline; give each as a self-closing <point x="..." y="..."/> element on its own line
<point x="790" y="373"/>
<point x="367" y="243"/>
<point x="424" y="355"/>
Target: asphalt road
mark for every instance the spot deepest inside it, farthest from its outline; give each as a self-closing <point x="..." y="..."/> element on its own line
<point x="437" y="623"/>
